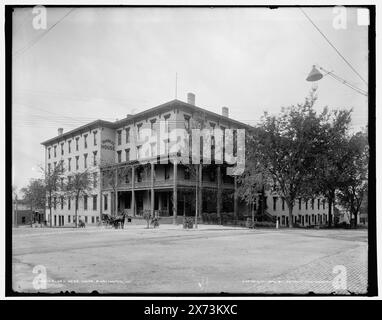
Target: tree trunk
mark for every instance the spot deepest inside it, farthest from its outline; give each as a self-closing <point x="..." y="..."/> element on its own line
<point x="76" y="210"/>
<point x="253" y="212"/>
<point x="184" y="208"/>
<point x="330" y="211"/>
<point x="290" y="222"/>
<point x="200" y="189"/>
<point x="50" y="210"/>
<point x="196" y="198"/>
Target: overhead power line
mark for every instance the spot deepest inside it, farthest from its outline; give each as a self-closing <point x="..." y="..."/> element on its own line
<point x="34" y="41"/>
<point x="333" y="46"/>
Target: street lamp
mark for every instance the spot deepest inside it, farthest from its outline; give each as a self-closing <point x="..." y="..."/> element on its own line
<point x="315" y="75"/>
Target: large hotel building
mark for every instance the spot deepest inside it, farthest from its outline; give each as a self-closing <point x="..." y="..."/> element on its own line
<point x="144" y="181"/>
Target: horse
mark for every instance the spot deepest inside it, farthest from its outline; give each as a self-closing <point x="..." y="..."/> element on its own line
<point x="119" y="221"/>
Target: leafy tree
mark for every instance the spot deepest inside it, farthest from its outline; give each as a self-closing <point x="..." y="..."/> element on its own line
<point x="79" y="185"/>
<point x="328" y="175"/>
<point x="286" y="145"/>
<point x="35" y="193"/>
<point x="355" y="175"/>
<point x="253" y="182"/>
<point x="53" y="184"/>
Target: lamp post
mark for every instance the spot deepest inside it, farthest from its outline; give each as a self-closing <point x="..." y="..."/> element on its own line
<point x="315" y="75"/>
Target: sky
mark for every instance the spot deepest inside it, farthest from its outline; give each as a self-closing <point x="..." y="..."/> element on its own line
<point x="104" y="63"/>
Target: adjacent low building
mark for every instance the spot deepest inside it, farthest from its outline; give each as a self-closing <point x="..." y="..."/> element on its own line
<point x="134" y="169"/>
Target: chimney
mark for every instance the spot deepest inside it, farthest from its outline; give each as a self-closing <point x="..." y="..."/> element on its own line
<point x="60" y="131"/>
<point x="225" y="112"/>
<point x="191" y="98"/>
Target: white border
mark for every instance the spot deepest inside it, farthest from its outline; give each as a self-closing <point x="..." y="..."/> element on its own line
<point x="210" y="3"/>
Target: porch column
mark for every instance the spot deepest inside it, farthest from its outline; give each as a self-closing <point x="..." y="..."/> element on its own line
<point x="132" y="190"/>
<point x="152" y="189"/>
<point x="175" y="193"/>
<point x="100" y="195"/>
<point x="235" y="200"/>
<point x="219" y="195"/>
<point x="116" y="193"/>
<point x="159" y="203"/>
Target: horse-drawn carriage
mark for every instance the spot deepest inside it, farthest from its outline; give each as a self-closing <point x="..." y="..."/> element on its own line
<point x="114" y="221"/>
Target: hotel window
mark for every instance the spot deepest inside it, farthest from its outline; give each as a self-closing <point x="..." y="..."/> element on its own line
<point x="62" y="202"/>
<point x="323" y="204"/>
<point x="69" y="147"/>
<point x="85" y="160"/>
<point x="187" y="122"/>
<point x="153" y="149"/>
<point x="119" y="156"/>
<point x="69" y="219"/>
<point x="312" y="204"/>
<point x="283" y="204"/>
<point x="283" y="220"/>
<point x="223" y="149"/>
<point x="212" y="175"/>
<point x="62" y="183"/>
<point x="127" y="130"/>
<point x="55" y="151"/>
<point x="186" y="173"/>
<point x="166" y="148"/>
<point x="77" y="143"/>
<point x="95" y="202"/>
<point x="139" y="152"/>
<point x="166" y="172"/>
<point x="86" y="219"/>
<point x="94" y="158"/>
<point x="318" y="204"/>
<point x="153" y="127"/>
<point x="127" y="154"/>
<point x="62" y="149"/>
<point x="127" y="178"/>
<point x="95" y="138"/>
<point x="77" y="157"/>
<point x="119" y="137"/>
<point x="299" y="203"/>
<point x="274" y="203"/>
<point x="234" y="151"/>
<point x="69" y="204"/>
<point x="69" y="164"/>
<point x="306" y="204"/>
<point x="85" y="141"/>
<point x="139" y="174"/>
<point x="105" y="202"/>
<point x="166" y="123"/>
<point x="95" y="178"/>
<point x="93" y="219"/>
<point x="48" y="167"/>
<point x="139" y="126"/>
<point x="85" y="202"/>
<point x="48" y="153"/>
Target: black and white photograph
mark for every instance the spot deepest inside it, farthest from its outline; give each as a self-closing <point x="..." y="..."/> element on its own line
<point x="191" y="150"/>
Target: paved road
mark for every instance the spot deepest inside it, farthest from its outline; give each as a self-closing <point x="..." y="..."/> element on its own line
<point x="208" y="260"/>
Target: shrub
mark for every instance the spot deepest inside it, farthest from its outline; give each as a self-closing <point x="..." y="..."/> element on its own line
<point x="188" y="223"/>
<point x="265" y="224"/>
